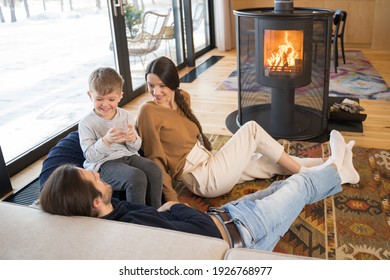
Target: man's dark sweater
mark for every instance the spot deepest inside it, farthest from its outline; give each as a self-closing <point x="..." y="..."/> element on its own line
<point x="180" y="218"/>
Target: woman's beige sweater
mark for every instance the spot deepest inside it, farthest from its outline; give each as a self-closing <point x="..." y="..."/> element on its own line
<point x="167" y="138"/>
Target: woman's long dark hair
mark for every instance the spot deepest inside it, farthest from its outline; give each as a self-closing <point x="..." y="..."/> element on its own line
<point x="166" y="70"/>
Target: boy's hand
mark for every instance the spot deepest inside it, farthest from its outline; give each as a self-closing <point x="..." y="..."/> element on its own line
<point x="130" y="134"/>
<point x="114" y="135"/>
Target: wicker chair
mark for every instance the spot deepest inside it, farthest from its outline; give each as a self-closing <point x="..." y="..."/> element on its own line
<point x="149" y="38"/>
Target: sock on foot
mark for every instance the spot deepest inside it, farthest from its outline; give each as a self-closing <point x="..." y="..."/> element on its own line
<point x="316" y="168"/>
<point x="337" y="148"/>
<point x="348" y="173"/>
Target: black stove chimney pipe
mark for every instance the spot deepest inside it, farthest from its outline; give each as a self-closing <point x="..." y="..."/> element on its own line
<point x="284" y="6"/>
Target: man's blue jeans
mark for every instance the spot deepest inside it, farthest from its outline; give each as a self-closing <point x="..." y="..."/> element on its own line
<point x="263" y="217"/>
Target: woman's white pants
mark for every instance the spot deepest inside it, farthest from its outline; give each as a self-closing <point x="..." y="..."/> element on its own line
<point x="249" y="154"/>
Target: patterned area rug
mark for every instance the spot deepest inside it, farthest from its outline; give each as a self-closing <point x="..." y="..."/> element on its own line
<point x="354" y="224"/>
<point x="357" y="78"/>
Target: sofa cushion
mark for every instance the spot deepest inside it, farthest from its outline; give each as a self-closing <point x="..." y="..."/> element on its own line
<point x="30" y="233"/>
<point x="250" y="254"/>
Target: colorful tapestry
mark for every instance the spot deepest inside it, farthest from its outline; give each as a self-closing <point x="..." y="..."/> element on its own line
<point x="357" y="78"/>
<point x="354" y="224"/>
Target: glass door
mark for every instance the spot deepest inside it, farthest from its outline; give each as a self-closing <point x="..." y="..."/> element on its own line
<point x="51" y="47"/>
<point x="201" y="24"/>
<point x="153" y="29"/>
<point x="199" y="33"/>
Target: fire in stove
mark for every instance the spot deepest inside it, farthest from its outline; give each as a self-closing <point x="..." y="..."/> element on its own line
<point x="283" y="51"/>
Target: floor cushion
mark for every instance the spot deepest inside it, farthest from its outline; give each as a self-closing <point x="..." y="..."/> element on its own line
<point x="67" y="150"/>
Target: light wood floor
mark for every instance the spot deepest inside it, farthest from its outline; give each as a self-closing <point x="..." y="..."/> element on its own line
<point x="212" y="106"/>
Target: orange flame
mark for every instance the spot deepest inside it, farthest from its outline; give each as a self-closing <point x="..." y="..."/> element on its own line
<point x="284" y="57"/>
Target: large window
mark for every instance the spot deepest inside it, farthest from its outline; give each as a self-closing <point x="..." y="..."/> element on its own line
<point x="48" y="49"/>
<point x="201" y="24"/>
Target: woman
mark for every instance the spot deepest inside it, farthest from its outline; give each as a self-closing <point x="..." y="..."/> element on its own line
<point x="173" y="138"/>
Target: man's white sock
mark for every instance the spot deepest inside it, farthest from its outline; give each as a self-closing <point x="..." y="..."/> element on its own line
<point x="348" y="173"/>
<point x="337" y="148"/>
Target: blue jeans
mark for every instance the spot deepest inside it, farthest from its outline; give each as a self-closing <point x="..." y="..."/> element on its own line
<point x="263" y="217"/>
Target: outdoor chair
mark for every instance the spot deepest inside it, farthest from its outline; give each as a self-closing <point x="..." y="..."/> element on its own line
<point x="149" y="38"/>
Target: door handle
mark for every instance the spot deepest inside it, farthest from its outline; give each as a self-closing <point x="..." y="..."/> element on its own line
<point x="118" y="4"/>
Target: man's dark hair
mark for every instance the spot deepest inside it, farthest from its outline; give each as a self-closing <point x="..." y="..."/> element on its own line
<point x="67" y="193"/>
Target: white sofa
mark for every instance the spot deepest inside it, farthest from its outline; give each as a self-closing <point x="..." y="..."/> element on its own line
<point x="28" y="233"/>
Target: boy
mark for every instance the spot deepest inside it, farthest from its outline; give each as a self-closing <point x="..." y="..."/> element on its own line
<point x="110" y="142"/>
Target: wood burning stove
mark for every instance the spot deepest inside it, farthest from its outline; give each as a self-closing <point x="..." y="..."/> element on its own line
<point x="283" y="52"/>
<point x="283" y="56"/>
